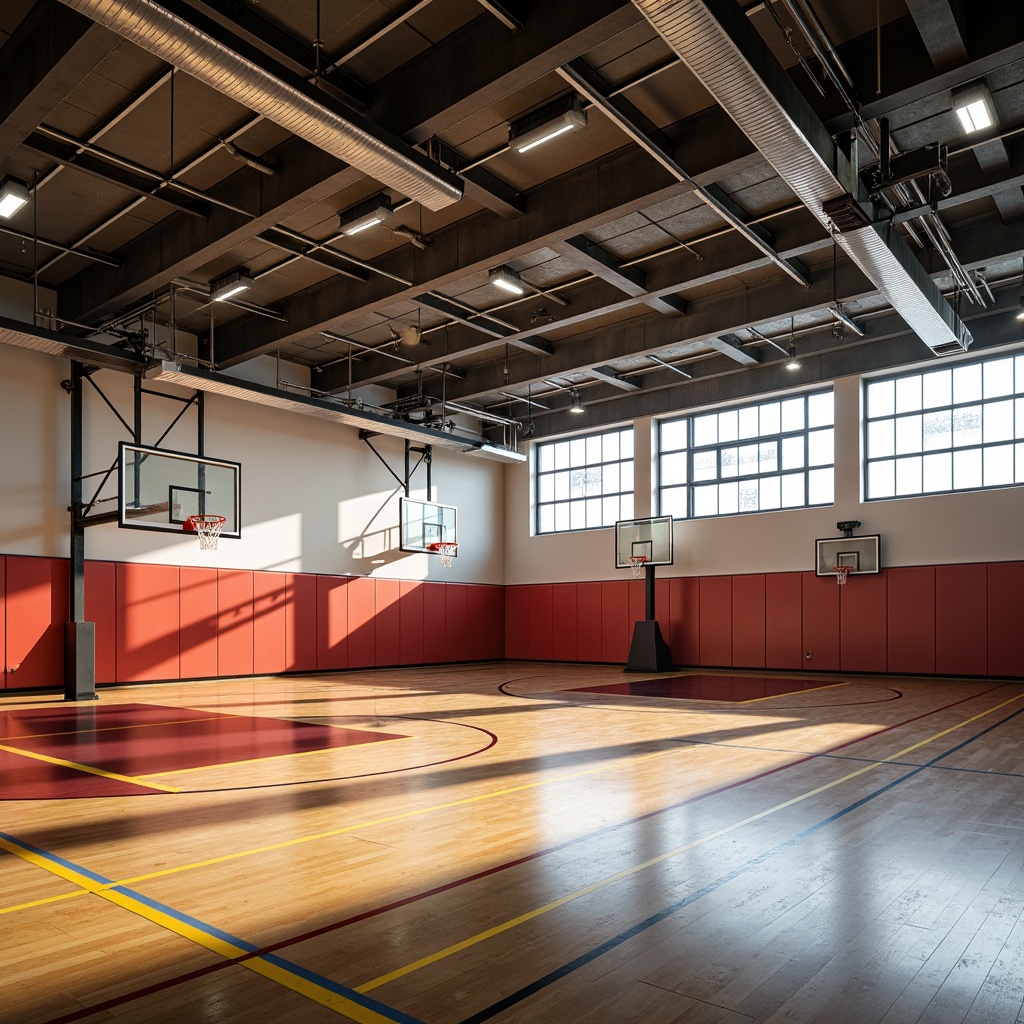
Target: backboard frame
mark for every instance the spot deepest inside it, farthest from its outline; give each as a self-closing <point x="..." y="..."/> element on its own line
<point x="862" y="554"/>
<point x="646" y="536"/>
<point x="177" y="493"/>
<point x="411" y="540"/>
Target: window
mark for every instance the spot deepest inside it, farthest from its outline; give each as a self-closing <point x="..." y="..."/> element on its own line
<point x="955" y="429"/>
<point x="752" y="458"/>
<point x="585" y="482"/>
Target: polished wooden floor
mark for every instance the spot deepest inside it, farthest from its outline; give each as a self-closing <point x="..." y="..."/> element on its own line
<point x="516" y="844"/>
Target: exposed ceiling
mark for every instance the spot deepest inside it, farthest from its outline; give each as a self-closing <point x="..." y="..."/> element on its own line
<point x="707" y="216"/>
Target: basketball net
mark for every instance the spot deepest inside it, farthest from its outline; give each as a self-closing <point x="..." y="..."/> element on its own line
<point x="841" y="571"/>
<point x="208" y="528"/>
<point x="447" y="550"/>
<point x="638" y="562"/>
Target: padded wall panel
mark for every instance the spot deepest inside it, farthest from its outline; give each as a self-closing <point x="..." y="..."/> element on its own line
<point x="716" y="620"/>
<point x="821" y="622"/>
<point x="961" y="620"/>
<point x="456" y="622"/>
<point x="387" y="596"/>
<point x="410" y="612"/>
<point x="1005" y="604"/>
<point x="197" y="622"/>
<point x="683" y="636"/>
<point x="863" y="624"/>
<point x="362" y="634"/>
<point x="588" y="621"/>
<point x="270" y="617"/>
<point x="541" y="622"/>
<point x="616" y="629"/>
<point x="101" y="608"/>
<point x="234" y="622"/>
<point x="495" y="638"/>
<point x="331" y="623"/>
<point x="433" y="623"/>
<point x="564" y="614"/>
<point x="910" y="614"/>
<point x="748" y="621"/>
<point x="783" y="620"/>
<point x="301" y="623"/>
<point x="4" y="675"/>
<point x="36" y="608"/>
<point x="478" y="621"/>
<point x="517" y="622"/>
<point x="147" y="621"/>
<point x="637" y="602"/>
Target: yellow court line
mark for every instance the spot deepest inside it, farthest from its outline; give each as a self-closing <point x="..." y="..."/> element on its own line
<point x="134" y="780"/>
<point x="269" y="757"/>
<point x="530" y="915"/>
<point x="42" y="902"/>
<point x="790" y="693"/>
<point x="117" y="728"/>
<point x="207" y="939"/>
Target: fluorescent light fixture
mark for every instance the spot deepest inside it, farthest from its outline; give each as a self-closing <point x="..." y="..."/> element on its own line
<point x="367" y="214"/>
<point x="973" y="105"/>
<point x="230" y="284"/>
<point x="506" y="278"/>
<point x="794" y="363"/>
<point x="575" y="402"/>
<point x="564" y="115"/>
<point x="13" y="196"/>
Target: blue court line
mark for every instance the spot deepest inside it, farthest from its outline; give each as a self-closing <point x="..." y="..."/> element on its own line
<point x="617" y="940"/>
<point x="224" y="942"/>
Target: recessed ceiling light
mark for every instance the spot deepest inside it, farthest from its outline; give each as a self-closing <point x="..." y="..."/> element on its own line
<point x="973" y="105"/>
<point x="13" y="196"/>
<point x="507" y="279"/>
<point x="366" y="214"/>
<point x="546" y="123"/>
<point x="230" y="284"/>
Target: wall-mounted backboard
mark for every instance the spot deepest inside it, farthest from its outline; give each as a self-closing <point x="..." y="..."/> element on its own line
<point x="425" y="523"/>
<point x="159" y="489"/>
<point x="643" y="538"/>
<point x="859" y="553"/>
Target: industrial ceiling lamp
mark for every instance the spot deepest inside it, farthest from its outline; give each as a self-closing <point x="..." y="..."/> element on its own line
<point x="794" y="363"/>
<point x="507" y="279"/>
<point x="228" y="285"/>
<point x="548" y="122"/>
<point x="973" y="105"/>
<point x="366" y="214"/>
<point x="575" y="402"/>
<point x="13" y="196"/>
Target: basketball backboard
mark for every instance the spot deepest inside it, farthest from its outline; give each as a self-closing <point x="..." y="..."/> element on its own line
<point x="859" y="553"/>
<point x="425" y="523"/>
<point x="159" y="489"/>
<point x="650" y="539"/>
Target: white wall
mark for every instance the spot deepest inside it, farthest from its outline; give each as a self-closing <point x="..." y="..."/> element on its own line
<point x="967" y="527"/>
<point x="314" y="497"/>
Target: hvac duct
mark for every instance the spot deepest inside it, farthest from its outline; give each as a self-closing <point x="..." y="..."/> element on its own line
<point x="347" y="136"/>
<point x="717" y="43"/>
<point x="38" y="339"/>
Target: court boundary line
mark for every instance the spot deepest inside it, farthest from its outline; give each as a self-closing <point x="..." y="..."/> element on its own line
<point x="88" y="770"/>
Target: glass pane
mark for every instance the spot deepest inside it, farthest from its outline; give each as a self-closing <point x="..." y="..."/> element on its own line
<point x="673" y="502"/>
<point x="730" y="461"/>
<point x="561" y="518"/>
<point x="593" y="512"/>
<point x="908" y="475"/>
<point x="820" y="448"/>
<point x="768" y="457"/>
<point x="908" y="394"/>
<point x="792" y="490"/>
<point x="748" y="422"/>
<point x="578" y="451"/>
<point x="770" y="418"/>
<point x="770" y="493"/>
<point x="938" y="430"/>
<point x="938" y="472"/>
<point x="610" y="447"/>
<point x="1020" y="463"/>
<point x="998" y="378"/>
<point x="673" y="436"/>
<point x="705" y="465"/>
<point x="966" y="426"/>
<point x="705" y="500"/>
<point x="881" y="398"/>
<point x="578" y="483"/>
<point x="728" y="425"/>
<point x="882" y="479"/>
<point x="673" y="469"/>
<point x="881" y="438"/>
<point x="705" y="429"/>
<point x="748" y="496"/>
<point x="967" y="469"/>
<point x="626" y="444"/>
<point x="821" y="486"/>
<point x="577" y="515"/>
<point x="793" y="453"/>
<point x="547" y="519"/>
<point x="626" y="477"/>
<point x="546" y="457"/>
<point x="562" y="455"/>
<point x="748" y="454"/>
<point x="610" y="511"/>
<point x="1018" y="374"/>
<point x="998" y="417"/>
<point x="594" y="449"/>
<point x="937" y="388"/>
<point x="546" y="488"/>
<point x="793" y="414"/>
<point x="608" y="482"/>
<point x="728" y="499"/>
<point x="1019" y="417"/>
<point x="999" y="465"/>
<point x="562" y="486"/>
<point x="821" y="410"/>
<point x="966" y="383"/>
<point x="908" y="435"/>
<point x="625" y="508"/>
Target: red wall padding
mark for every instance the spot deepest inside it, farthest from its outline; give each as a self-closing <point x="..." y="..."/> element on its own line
<point x="541" y="622"/>
<point x="301" y="623"/>
<point x="911" y="618"/>
<point x="148" y="598"/>
<point x="961" y="619"/>
<point x="270" y="619"/>
<point x="715" y="620"/>
<point x="101" y="608"/>
<point x="683" y="636"/>
<point x="434" y="639"/>
<point x="331" y="623"/>
<point x="197" y="622"/>
<point x="387" y="617"/>
<point x="783" y="620"/>
<point x="616" y="629"/>
<point x="862" y="623"/>
<point x="517" y="622"/>
<point x="748" y="617"/>
<point x="1005" y="604"/>
<point x="588" y="621"/>
<point x="564" y="617"/>
<point x="362" y="634"/>
<point x="456" y="631"/>
<point x="410" y="622"/>
<point x="36" y="608"/>
<point x="234" y="622"/>
<point x="820" y="622"/>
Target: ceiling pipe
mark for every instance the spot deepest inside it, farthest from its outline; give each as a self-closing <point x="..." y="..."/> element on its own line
<point x="295" y="107"/>
<point x="717" y="43"/>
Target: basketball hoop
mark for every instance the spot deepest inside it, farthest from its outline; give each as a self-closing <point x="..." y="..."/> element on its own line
<point x="208" y="528"/>
<point x="446" y="549"/>
<point x="638" y="562"/>
<point x="841" y="571"/>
